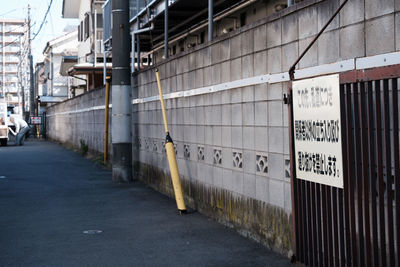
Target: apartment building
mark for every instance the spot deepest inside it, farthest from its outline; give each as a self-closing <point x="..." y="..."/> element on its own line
<point x="13" y="61"/>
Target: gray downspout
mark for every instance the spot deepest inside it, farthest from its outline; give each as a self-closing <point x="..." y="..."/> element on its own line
<point x="210" y="19"/>
<point x="138" y="50"/>
<point x="166" y="30"/>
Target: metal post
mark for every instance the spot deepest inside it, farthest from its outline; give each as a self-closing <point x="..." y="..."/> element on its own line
<point x="95" y="36"/>
<point x="31" y="89"/>
<point x="133" y="51"/>
<point x="210" y="19"/>
<point x="104" y="56"/>
<point x="107" y="104"/>
<point x="138" y="51"/>
<point x="121" y="94"/>
<point x="166" y="37"/>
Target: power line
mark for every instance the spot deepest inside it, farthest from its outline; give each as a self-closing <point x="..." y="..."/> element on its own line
<point x="12" y="10"/>
<point x="44" y="20"/>
<point x="22" y="25"/>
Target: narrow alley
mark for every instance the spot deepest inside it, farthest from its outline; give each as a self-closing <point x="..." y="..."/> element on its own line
<point x="49" y="197"/>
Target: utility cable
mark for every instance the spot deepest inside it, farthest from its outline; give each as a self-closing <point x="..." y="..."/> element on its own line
<point x="43" y="21"/>
<point x="10" y="31"/>
<point x="15" y="40"/>
<point x="12" y="10"/>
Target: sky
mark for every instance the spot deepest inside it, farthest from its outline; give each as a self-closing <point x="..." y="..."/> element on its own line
<point x="53" y="27"/>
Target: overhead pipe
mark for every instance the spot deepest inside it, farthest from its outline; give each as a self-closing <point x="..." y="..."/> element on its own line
<point x="134" y="46"/>
<point x="186" y="21"/>
<point x="204" y="24"/>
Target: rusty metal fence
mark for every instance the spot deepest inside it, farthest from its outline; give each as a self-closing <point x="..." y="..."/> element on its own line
<point x="357" y="225"/>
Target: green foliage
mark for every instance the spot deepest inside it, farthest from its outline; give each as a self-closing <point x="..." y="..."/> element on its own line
<point x="84" y="148"/>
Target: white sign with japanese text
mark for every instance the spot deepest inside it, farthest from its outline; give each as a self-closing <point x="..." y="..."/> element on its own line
<point x="317" y="130"/>
<point x="36" y="120"/>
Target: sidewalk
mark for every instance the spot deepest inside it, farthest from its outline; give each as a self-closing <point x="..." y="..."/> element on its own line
<point x="49" y="196"/>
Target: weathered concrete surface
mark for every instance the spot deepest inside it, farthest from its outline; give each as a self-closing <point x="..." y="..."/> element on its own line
<point x="247" y="124"/>
<point x="253" y="218"/>
<point x="50" y="195"/>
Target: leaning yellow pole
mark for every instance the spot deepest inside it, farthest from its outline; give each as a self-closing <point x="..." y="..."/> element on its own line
<point x="108" y="81"/>
<point x="169" y="147"/>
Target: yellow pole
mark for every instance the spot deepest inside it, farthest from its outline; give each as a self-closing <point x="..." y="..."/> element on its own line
<point x="108" y="81"/>
<point x="169" y="147"/>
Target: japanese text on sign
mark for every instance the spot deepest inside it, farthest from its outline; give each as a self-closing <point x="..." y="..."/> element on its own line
<point x="317" y="130"/>
<point x="36" y="120"/>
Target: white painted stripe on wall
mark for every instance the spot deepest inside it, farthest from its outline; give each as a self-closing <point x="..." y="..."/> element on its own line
<point x="79" y="110"/>
<point x="336" y="67"/>
<point x="378" y="61"/>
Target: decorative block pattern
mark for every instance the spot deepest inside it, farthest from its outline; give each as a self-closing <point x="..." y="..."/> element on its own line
<point x="186" y="151"/>
<point x="237" y="159"/>
<point x="262" y="164"/>
<point x="200" y="153"/>
<point x="140" y="143"/>
<point x="163" y="147"/>
<point x="287" y="168"/>
<point x="155" y="148"/>
<point x="217" y="156"/>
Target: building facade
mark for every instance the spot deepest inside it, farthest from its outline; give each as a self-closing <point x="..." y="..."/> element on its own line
<point x="89" y="65"/>
<point x="13" y="61"/>
<point x="57" y="87"/>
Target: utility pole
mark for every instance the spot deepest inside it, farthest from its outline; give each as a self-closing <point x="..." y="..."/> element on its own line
<point x="121" y="94"/>
<point x="31" y="88"/>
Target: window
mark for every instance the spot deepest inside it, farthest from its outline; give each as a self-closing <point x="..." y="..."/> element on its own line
<point x="87" y="26"/>
<point x="79" y="33"/>
<point x="242" y="19"/>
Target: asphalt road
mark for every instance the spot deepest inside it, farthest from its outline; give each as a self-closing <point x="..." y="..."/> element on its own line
<point x="49" y="196"/>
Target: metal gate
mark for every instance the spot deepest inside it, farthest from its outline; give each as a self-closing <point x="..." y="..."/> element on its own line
<point x="357" y="225"/>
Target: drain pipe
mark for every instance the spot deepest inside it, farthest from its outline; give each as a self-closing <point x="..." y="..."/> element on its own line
<point x="166" y="17"/>
<point x="217" y="17"/>
<point x="210" y="19"/>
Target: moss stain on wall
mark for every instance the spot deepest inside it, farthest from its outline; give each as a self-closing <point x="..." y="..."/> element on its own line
<point x="252" y="218"/>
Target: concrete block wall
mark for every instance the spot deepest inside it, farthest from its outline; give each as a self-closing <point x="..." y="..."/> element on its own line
<point x="232" y="146"/>
<point x="236" y="141"/>
<point x="69" y="122"/>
